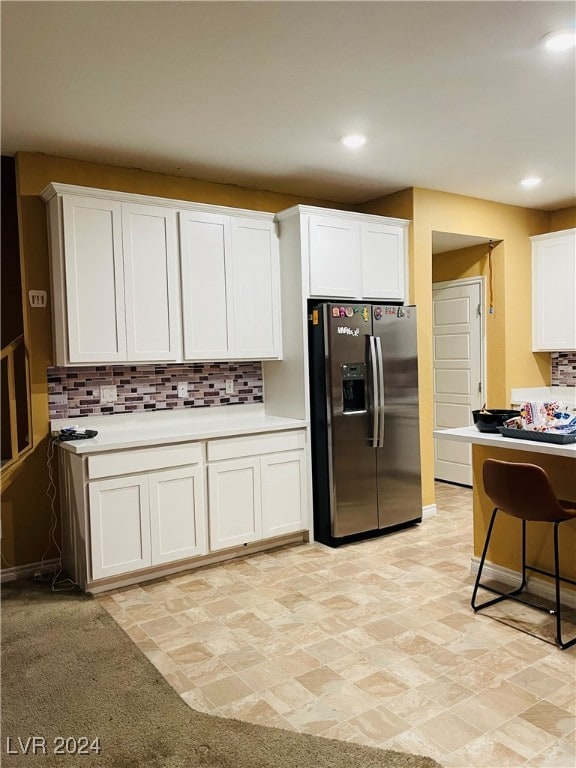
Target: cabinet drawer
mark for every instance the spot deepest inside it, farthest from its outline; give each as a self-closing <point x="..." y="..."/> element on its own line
<point x="254" y="445"/>
<point x="144" y="459"/>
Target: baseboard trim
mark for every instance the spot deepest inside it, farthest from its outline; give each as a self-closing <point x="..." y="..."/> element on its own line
<point x="536" y="586"/>
<point x="24" y="571"/>
<point x="428" y="511"/>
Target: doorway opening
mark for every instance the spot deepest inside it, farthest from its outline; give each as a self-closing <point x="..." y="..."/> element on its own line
<point x="459" y="296"/>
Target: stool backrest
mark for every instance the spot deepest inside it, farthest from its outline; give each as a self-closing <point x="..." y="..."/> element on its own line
<point x="521" y="490"/>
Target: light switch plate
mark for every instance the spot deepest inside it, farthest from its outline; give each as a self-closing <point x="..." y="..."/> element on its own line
<point x="229" y="386"/>
<point x="37" y="298"/>
<point x="182" y="389"/>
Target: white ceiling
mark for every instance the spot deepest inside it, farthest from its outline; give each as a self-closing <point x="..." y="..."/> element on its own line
<point x="454" y="96"/>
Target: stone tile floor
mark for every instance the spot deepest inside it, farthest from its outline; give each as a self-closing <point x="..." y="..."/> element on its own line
<point x="373" y="643"/>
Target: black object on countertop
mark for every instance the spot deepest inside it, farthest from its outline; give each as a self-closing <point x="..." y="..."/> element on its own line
<point x="494" y="418"/>
<point x="74" y="434"/>
<point x="560" y="438"/>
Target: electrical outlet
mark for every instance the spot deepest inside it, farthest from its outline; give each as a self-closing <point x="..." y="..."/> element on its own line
<point x="108" y="393"/>
<point x="229" y="386"/>
<point x="182" y="389"/>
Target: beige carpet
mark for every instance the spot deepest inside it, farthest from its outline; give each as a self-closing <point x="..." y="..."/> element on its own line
<point x="69" y="671"/>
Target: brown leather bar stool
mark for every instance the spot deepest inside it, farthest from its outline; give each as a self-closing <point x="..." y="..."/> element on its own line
<point x="524" y="491"/>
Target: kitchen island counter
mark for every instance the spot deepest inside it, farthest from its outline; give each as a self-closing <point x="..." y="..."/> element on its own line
<point x="496" y="440"/>
<point x="504" y="554"/>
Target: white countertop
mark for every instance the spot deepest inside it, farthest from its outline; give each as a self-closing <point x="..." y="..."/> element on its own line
<point x="496" y="440"/>
<point x="565" y="395"/>
<point x="136" y="430"/>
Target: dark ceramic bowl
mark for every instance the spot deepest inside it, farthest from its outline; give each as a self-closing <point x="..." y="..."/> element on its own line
<point x="489" y="422"/>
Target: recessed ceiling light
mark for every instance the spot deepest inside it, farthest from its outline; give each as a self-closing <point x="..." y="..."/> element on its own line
<point x="353" y="140"/>
<point x="531" y="181"/>
<point x="560" y="39"/>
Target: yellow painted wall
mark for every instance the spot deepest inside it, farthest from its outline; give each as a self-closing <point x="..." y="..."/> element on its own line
<point x="511" y="362"/>
<point x="475" y="262"/>
<point x="562" y="219"/>
<point x="26" y="511"/>
<point x="505" y="550"/>
<point x="460" y="264"/>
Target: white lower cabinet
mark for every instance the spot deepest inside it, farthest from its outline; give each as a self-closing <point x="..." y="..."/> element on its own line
<point x="177" y="514"/>
<point x="119" y="526"/>
<point x="235" y="503"/>
<point x="258" y="496"/>
<point x="138" y="513"/>
<point x="283" y="493"/>
<point x="145" y="520"/>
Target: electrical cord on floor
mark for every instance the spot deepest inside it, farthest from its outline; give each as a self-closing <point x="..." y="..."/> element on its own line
<point x="46" y="574"/>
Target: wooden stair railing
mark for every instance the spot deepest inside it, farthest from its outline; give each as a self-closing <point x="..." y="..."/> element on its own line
<point x="16" y="431"/>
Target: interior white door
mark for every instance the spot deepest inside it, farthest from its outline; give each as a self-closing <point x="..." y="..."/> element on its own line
<point x="457" y="340"/>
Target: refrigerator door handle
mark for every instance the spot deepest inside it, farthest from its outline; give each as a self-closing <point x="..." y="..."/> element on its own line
<point x="375" y="404"/>
<point x="380" y="364"/>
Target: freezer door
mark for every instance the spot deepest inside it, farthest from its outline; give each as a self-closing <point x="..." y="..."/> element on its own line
<point x="398" y="458"/>
<point x="354" y="506"/>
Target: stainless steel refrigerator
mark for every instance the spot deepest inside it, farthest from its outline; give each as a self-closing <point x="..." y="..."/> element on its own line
<point x="365" y="427"/>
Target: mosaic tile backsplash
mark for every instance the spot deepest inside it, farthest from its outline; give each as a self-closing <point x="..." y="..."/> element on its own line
<point x="76" y="391"/>
<point x="563" y="369"/>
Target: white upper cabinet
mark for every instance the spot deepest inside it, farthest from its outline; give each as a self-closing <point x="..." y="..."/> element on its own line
<point x="554" y="291"/>
<point x="230" y="287"/>
<point x="255" y="288"/>
<point x="382" y="261"/>
<point x="114" y="279"/>
<point x="335" y="268"/>
<point x="88" y="293"/>
<point x="150" y="282"/>
<point x="129" y="286"/>
<point x="349" y="255"/>
<point x="206" y="286"/>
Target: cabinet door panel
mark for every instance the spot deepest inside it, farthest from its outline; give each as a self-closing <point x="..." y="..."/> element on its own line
<point x="283" y="493"/>
<point x="150" y="275"/>
<point x="334" y="257"/>
<point x="382" y="256"/>
<point x="554" y="293"/>
<point x="119" y="526"/>
<point x="177" y="514"/>
<point x="235" y="503"/>
<point x="94" y="279"/>
<point x="255" y="270"/>
<point x="206" y="286"/>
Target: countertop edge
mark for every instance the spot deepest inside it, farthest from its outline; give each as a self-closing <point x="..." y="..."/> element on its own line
<point x="143" y="438"/>
<point x="472" y="435"/>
